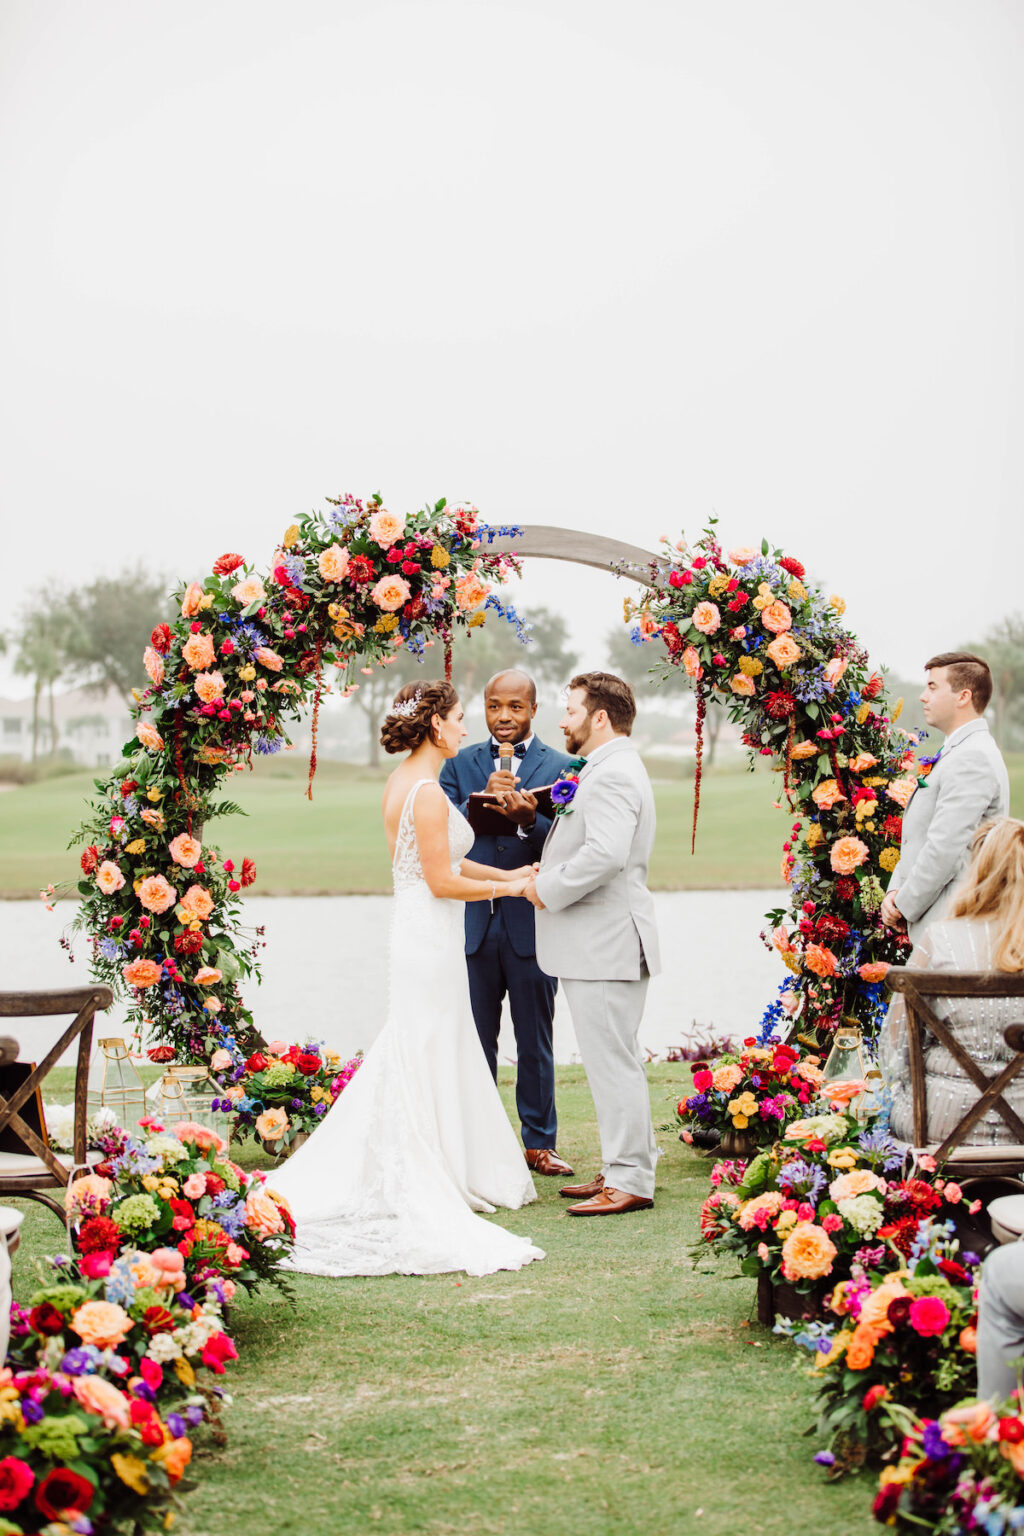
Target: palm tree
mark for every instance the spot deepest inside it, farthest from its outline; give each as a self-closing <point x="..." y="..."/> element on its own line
<point x="40" y="655"/>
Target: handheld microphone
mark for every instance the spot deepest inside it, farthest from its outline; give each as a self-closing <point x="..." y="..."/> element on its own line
<point x="505" y="757"/>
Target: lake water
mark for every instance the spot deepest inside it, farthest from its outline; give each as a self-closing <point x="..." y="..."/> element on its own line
<point x="324" y="969"/>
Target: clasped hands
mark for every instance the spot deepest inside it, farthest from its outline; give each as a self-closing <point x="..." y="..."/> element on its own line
<point x="523" y="882"/>
<point x="518" y="805"/>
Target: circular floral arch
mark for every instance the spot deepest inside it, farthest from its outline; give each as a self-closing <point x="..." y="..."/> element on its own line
<point x="346" y="589"/>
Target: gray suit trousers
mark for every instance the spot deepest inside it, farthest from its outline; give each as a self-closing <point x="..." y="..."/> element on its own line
<point x="1000" y="1320"/>
<point x="606" y="1016"/>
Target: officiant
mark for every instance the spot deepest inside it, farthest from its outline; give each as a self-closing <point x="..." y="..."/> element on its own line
<point x="500" y="946"/>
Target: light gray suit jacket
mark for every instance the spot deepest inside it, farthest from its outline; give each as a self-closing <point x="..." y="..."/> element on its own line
<point x="598" y="911"/>
<point x="968" y="785"/>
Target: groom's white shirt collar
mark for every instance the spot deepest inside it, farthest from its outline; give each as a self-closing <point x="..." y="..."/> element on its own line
<point x="606" y="747"/>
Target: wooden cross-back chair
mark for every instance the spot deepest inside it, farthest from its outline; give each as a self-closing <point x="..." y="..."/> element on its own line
<point x="918" y="988"/>
<point x="28" y="1173"/>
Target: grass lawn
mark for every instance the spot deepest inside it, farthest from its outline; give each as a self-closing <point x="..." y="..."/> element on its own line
<point x="334" y="846"/>
<point x="609" y="1391"/>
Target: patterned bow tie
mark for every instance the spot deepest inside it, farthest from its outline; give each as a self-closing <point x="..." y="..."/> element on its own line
<point x="498" y="748"/>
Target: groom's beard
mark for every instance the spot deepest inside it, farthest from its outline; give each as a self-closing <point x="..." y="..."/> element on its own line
<point x="574" y="740"/>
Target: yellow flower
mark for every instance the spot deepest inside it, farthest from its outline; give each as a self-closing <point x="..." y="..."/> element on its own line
<point x="138" y="846"/>
<point x="797" y="591"/>
<point x="760" y="603"/>
<point x="843" y="1158"/>
<point x="750" y="667"/>
<point x="316" y="1094"/>
<point x="150" y="1183"/>
<point x="862" y="713"/>
<point x="627" y="609"/>
<point x="291" y="535"/>
<point x="439" y="557"/>
<point x="717" y="585"/>
<point x="474" y="621"/>
<point x="838" y="603"/>
<point x="247" y="673"/>
<point x="839" y="1344"/>
<point x="876" y="781"/>
<point x="889" y="858"/>
<point x="206" y="601"/>
<point x="896" y="712"/>
<point x="337" y="611"/>
<point x="386" y="623"/>
<point x="154" y="794"/>
<point x="865" y="808"/>
<point x="814" y="835"/>
<point x="184" y="1372"/>
<point x="137" y="885"/>
<point x="785" y="1221"/>
<point x="131" y="1471"/>
<point x="137" y="695"/>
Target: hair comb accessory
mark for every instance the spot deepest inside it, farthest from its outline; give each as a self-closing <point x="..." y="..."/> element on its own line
<point x="407" y="707"/>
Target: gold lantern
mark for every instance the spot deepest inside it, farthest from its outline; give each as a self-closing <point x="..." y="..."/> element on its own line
<point x="114" y="1083"/>
<point x="187" y="1093"/>
<point x="847" y="1064"/>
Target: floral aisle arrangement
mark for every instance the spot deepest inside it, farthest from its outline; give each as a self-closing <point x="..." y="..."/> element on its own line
<point x="179" y="1189"/>
<point x="751" y="631"/>
<point x="280" y="1092"/>
<point x="904" y="1336"/>
<point x="754" y="1092"/>
<point x="961" y="1474"/>
<point x="245" y="655"/>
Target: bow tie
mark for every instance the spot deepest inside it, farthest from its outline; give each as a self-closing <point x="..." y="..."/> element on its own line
<point x="504" y="747"/>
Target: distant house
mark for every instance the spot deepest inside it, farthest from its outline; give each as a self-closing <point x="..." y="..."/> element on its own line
<point x="91" y="727"/>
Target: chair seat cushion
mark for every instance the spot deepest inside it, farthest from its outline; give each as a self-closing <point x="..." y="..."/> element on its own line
<point x="1009" y="1152"/>
<point x="1007" y="1217"/>
<point x="22" y="1165"/>
<point x="10" y="1220"/>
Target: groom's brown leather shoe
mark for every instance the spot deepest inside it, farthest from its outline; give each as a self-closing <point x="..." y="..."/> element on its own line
<point x="545" y="1160"/>
<point x="610" y="1202"/>
<point x="583" y="1191"/>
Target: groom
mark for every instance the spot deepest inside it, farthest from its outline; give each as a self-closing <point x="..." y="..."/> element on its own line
<point x="596" y="931"/>
<point x="500" y="944"/>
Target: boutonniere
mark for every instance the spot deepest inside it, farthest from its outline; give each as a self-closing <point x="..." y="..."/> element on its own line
<point x="563" y="790"/>
<point x="925" y="766"/>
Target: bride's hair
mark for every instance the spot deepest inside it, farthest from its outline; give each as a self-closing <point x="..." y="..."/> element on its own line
<point x="407" y="722"/>
<point x="993" y="888"/>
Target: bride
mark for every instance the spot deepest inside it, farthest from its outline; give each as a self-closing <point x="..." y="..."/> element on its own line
<point x="419" y="1140"/>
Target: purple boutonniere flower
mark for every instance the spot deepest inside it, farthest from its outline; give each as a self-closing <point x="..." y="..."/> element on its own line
<point x="563" y="790"/>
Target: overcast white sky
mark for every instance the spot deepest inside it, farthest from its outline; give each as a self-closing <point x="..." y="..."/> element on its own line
<point x="609" y="265"/>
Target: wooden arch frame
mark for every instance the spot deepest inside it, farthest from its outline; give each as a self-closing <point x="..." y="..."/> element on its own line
<point x="546" y="542"/>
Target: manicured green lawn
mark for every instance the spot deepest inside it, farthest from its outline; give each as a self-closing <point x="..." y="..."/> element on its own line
<point x="334" y="845"/>
<point x="609" y="1391"/>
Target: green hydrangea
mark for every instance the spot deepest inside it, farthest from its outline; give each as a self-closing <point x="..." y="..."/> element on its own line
<point x="229" y="1176"/>
<point x="277" y="1075"/>
<point x="863" y="1212"/>
<point x="56" y="1436"/>
<point x="64" y="1297"/>
<point x="871" y="893"/>
<point x="136" y="1214"/>
<point x="167" y="1147"/>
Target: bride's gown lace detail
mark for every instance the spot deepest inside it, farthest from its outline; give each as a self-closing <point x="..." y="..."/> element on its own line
<point x="419" y="1140"/>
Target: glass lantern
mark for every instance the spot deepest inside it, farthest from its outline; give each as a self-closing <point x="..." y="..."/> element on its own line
<point x="187" y="1093"/>
<point x="115" y="1085"/>
<point x="847" y="1064"/>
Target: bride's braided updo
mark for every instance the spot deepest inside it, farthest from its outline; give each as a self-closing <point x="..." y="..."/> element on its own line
<point x="407" y="722"/>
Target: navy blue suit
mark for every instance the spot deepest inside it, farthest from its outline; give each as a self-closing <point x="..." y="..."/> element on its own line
<point x="500" y="946"/>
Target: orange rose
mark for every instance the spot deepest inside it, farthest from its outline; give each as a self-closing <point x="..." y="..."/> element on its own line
<point x="199" y="651"/>
<point x="861" y="1349"/>
<point x="691" y="663"/>
<point x="208" y="976"/>
<point x="175" y="1456"/>
<point x="149" y="736"/>
<point x="333" y="563"/>
<point x="102" y="1323"/>
<point x="901" y="790"/>
<point x="91" y="1189"/>
<point x="784" y="651"/>
<point x="185" y="850"/>
<point x="156" y="895"/>
<point x="835" y="669"/>
<point x="262" y="1214"/>
<point x="725" y="1079"/>
<point x="192" y="601"/>
<point x="827" y="794"/>
<point x="141" y="973"/>
<point x="209" y="686"/>
<point x="272" y="1124"/>
<point x="777" y="617"/>
<point x="873" y="970"/>
<point x="249" y="590"/>
<point x="862" y="762"/>
<point x="820" y="960"/>
<point x="99" y="1396"/>
<point x="742" y="684"/>
<point x="470" y="591"/>
<point x="848" y="854"/>
<point x="802" y="749"/>
<point x="706" y="618"/>
<point x="859" y="1181"/>
<point x="153" y="818"/>
<point x="386" y="527"/>
<point x="198" y="902"/>
<point x="807" y="1253"/>
<point x="109" y="878"/>
<point x="269" y="659"/>
<point x="154" y="665"/>
<point x="742" y="554"/>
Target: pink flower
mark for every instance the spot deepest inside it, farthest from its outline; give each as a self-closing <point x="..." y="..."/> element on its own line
<point x="191" y="602"/>
<point x="742" y="554"/>
<point x="156" y="894"/>
<point x="953" y="1193"/>
<point x="209" y="686"/>
<point x="199" y="651"/>
<point x="385" y="527"/>
<point x="269" y="659"/>
<point x="847" y="855"/>
<point x="153" y="663"/>
<point x="149" y="736"/>
<point x="109" y="878"/>
<point x="194" y="1186"/>
<point x="777" y="617"/>
<point x="706" y="618"/>
<point x="185" y="850"/>
<point x="927" y="1162"/>
<point x="832" y="1222"/>
<point x="333" y="563"/>
<point x="141" y="973"/>
<point x="929" y="1316"/>
<point x="742" y="684"/>
<point x="249" y="590"/>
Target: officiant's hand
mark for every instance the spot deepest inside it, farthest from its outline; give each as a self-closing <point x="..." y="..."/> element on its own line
<point x="521" y="807"/>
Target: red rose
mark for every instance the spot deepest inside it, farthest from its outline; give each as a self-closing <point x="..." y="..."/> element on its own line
<point x="680" y="578"/>
<point x="158" y="1320"/>
<point x="46" y="1319"/>
<point x="16" y="1478"/>
<point x="702" y="1080"/>
<point x="793" y="567"/>
<point x="886" y="1502"/>
<point x="161" y="1053"/>
<point x="248" y="871"/>
<point x="216" y="1350"/>
<point x="62" y="1490"/>
<point x="214" y="1184"/>
<point x="90" y="860"/>
<point x="160" y="639"/>
<point x="99" y="1233"/>
<point x="1011" y="1430"/>
<point x="874" y="1395"/>
<point x="226" y="564"/>
<point x="308" y="1063"/>
<point x="184" y="1216"/>
<point x="954" y="1272"/>
<point x="257" y="1062"/>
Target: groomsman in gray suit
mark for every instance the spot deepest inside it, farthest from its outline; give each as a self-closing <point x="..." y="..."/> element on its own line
<point x="596" y="932"/>
<point x="968" y="785"/>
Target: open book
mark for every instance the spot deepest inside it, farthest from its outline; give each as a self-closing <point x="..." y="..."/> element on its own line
<point x="487" y="821"/>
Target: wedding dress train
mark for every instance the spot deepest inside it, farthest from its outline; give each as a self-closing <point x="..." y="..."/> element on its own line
<point x="419" y="1140"/>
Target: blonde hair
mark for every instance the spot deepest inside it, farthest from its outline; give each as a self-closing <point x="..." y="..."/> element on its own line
<point x="993" y="888"/>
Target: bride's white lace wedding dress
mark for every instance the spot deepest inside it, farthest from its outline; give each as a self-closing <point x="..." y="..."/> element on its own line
<point x="419" y="1140"/>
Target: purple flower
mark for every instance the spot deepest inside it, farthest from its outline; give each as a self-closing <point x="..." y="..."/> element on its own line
<point x="563" y="791"/>
<point x="78" y="1362"/>
<point x="184" y="1300"/>
<point x="146" y="1393"/>
<point x="176" y="1424"/>
<point x="193" y="1415"/>
<point x="934" y="1446"/>
<point x="32" y="1411"/>
<point x="825" y="1459"/>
